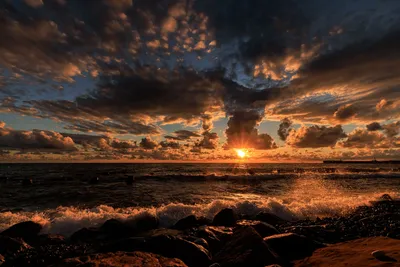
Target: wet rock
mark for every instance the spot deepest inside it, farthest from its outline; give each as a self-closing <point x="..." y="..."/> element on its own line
<point x="2" y="260"/>
<point x="27" y="182"/>
<point x="215" y="265"/>
<point x="49" y="239"/>
<point x="129" y="180"/>
<point x="190" y="222"/>
<point x="226" y="217"/>
<point x="94" y="180"/>
<point x="317" y="232"/>
<point x="245" y="248"/>
<point x="168" y="246"/>
<point x="12" y="246"/>
<point x="292" y="246"/>
<point x="115" y="229"/>
<point x="199" y="241"/>
<point x="213" y="241"/>
<point x="26" y="230"/>
<point x="262" y="228"/>
<point x="137" y="259"/>
<point x="145" y="222"/>
<point x="269" y="218"/>
<point x="385" y="197"/>
<point x="85" y="235"/>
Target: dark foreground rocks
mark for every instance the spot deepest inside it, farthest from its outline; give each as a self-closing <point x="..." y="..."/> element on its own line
<point x="229" y="240"/>
<point x="135" y="259"/>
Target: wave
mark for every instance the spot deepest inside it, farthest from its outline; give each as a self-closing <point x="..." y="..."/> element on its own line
<point x="67" y="220"/>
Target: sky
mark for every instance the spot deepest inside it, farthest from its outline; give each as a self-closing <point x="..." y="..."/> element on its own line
<point x="193" y="80"/>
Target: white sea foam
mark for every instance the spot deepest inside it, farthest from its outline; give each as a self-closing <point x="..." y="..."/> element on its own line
<point x="66" y="220"/>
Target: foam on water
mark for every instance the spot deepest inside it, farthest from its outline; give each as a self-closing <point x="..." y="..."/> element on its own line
<point x="66" y="220"/>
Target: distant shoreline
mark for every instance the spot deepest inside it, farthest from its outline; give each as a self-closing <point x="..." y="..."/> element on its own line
<point x="361" y="161"/>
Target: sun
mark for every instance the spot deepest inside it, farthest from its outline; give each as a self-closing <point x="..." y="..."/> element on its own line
<point x="241" y="153"/>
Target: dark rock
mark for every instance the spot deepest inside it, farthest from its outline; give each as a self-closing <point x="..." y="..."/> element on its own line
<point x="213" y="241"/>
<point x="269" y="218"/>
<point x="85" y="235"/>
<point x="49" y="239"/>
<point x="190" y="222"/>
<point x="144" y="222"/>
<point x="292" y="246"/>
<point x="137" y="259"/>
<point x="246" y="248"/>
<point x="11" y="246"/>
<point x="2" y="260"/>
<point x="386" y="197"/>
<point x="215" y="265"/>
<point x="27" y="182"/>
<point x="94" y="180"/>
<point x="116" y="229"/>
<point x="129" y="180"/>
<point x="198" y="241"/>
<point x="25" y="230"/>
<point x="317" y="232"/>
<point x="169" y="246"/>
<point x="262" y="228"/>
<point x="226" y="217"/>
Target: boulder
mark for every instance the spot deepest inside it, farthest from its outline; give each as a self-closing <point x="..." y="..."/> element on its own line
<point x="290" y="246"/>
<point x="168" y="246"/>
<point x="115" y="229"/>
<point x="269" y="218"/>
<point x="86" y="235"/>
<point x="26" y="230"/>
<point x="143" y="223"/>
<point x="49" y="239"/>
<point x="190" y="222"/>
<point x="262" y="228"/>
<point x="137" y="259"/>
<point x="2" y="260"/>
<point x="245" y="248"/>
<point x="11" y="246"/>
<point x="226" y="217"/>
<point x="213" y="241"/>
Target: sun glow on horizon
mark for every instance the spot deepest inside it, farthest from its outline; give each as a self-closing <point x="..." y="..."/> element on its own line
<point x="241" y="153"/>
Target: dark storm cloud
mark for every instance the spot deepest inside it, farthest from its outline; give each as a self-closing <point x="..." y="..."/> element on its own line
<point x="147" y="143"/>
<point x="374" y="126"/>
<point x="182" y="135"/>
<point x="315" y="136"/>
<point x="35" y="139"/>
<point x="169" y="144"/>
<point x="284" y="128"/>
<point x="362" y="138"/>
<point x="242" y="131"/>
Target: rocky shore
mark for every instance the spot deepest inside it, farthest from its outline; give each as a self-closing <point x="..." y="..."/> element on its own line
<point x="370" y="236"/>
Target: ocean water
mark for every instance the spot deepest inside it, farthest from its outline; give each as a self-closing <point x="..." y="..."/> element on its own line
<point x="63" y="200"/>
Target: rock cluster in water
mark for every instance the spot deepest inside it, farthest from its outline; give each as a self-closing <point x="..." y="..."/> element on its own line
<point x="229" y="240"/>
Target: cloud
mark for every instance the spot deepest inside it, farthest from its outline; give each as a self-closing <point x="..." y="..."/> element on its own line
<point x="362" y="138"/>
<point x="242" y="131"/>
<point x="284" y="128"/>
<point x="374" y="126"/>
<point x="209" y="141"/>
<point x="35" y="139"/>
<point x="315" y="136"/>
<point x="172" y="145"/>
<point x="182" y="135"/>
<point x="147" y="143"/>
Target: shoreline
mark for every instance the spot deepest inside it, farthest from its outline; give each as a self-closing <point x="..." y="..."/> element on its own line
<point x="204" y="242"/>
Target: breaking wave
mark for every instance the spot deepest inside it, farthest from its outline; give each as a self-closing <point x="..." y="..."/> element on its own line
<point x="67" y="220"/>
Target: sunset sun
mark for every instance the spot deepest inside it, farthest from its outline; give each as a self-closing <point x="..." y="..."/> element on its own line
<point x="241" y="153"/>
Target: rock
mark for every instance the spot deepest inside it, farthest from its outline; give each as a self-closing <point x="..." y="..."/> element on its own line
<point x="27" y="182"/>
<point x="168" y="246"/>
<point x="378" y="253"/>
<point x="292" y="246"/>
<point x="49" y="239"/>
<point x="136" y="259"/>
<point x="143" y="223"/>
<point x="199" y="241"/>
<point x="26" y="230"/>
<point x="269" y="218"/>
<point x="10" y="246"/>
<point x="2" y="260"/>
<point x="129" y="180"/>
<point x="94" y="180"/>
<point x="215" y="265"/>
<point x="262" y="228"/>
<point x="245" y="248"/>
<point x="385" y="197"/>
<point x="213" y="241"/>
<point x="116" y="229"/>
<point x="85" y="235"/>
<point x="226" y="217"/>
<point x="190" y="222"/>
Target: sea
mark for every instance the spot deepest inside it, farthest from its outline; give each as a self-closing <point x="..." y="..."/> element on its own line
<point x="67" y="197"/>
